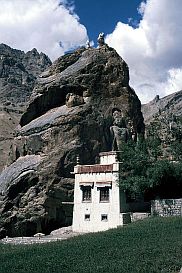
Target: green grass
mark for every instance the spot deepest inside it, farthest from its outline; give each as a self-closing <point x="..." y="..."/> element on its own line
<point x="150" y="246"/>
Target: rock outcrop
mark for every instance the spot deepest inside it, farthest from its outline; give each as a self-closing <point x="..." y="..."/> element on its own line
<point x="18" y="73"/>
<point x="171" y="104"/>
<point x="163" y="120"/>
<point x="70" y="114"/>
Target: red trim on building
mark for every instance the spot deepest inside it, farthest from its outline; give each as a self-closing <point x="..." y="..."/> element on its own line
<point x="95" y="168"/>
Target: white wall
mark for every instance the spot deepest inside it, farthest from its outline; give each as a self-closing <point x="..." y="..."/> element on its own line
<point x="95" y="208"/>
<point x="108" y="158"/>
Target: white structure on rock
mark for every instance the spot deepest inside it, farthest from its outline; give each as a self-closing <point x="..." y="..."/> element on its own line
<point x="98" y="201"/>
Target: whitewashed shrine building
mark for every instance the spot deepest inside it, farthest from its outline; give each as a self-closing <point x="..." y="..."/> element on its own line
<point x="98" y="201"/>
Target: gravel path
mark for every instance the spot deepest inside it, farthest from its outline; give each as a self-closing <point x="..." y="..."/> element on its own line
<point x="57" y="235"/>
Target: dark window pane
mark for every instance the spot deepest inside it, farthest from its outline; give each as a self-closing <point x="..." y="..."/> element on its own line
<point x="104" y="217"/>
<point x="104" y="194"/>
<point x="86" y="194"/>
<point x="87" y="217"/>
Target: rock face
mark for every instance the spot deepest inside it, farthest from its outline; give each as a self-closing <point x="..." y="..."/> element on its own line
<point x="18" y="73"/>
<point x="163" y="119"/>
<point x="70" y="114"/>
<point x="171" y="104"/>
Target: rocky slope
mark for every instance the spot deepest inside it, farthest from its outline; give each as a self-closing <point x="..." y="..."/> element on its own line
<point x="169" y="104"/>
<point x="18" y="73"/>
<point x="70" y="114"/>
<point x="163" y="119"/>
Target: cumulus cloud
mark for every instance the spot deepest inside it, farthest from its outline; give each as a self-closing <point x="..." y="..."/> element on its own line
<point x="153" y="49"/>
<point x="51" y="26"/>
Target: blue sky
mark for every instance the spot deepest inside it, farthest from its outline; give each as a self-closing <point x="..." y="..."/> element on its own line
<point x="146" y="34"/>
<point x="103" y="15"/>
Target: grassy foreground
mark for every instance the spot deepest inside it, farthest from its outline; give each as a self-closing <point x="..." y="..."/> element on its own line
<point x="150" y="246"/>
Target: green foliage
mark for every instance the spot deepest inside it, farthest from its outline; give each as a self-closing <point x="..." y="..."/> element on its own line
<point x="165" y="179"/>
<point x="153" y="145"/>
<point x="142" y="171"/>
<point x="152" y="245"/>
<point x="163" y="170"/>
<point x="176" y="149"/>
<point x="135" y="162"/>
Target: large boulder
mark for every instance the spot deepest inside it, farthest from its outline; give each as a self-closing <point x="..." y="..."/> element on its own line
<point x="70" y="114"/>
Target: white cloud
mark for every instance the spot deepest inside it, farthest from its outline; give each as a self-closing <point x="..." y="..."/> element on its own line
<point x="153" y="49"/>
<point x="25" y="24"/>
<point x="141" y="8"/>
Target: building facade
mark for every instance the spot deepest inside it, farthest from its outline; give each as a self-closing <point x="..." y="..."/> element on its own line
<point x="98" y="201"/>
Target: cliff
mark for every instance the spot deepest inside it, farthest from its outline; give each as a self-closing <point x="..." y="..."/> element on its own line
<point x="18" y="73"/>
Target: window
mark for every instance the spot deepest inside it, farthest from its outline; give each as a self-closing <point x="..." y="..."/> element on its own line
<point x="86" y="197"/>
<point x="104" y="217"/>
<point x="104" y="194"/>
<point x="87" y="217"/>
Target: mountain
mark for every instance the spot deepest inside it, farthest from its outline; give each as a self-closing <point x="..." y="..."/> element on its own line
<point x="171" y="104"/>
<point x="163" y="120"/>
<point x="18" y="73"/>
<point x="70" y="114"/>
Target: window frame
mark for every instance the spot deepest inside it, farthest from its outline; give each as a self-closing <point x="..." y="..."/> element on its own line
<point x="104" y="217"/>
<point x="87" y="217"/>
<point x="104" y="195"/>
<point x="86" y="194"/>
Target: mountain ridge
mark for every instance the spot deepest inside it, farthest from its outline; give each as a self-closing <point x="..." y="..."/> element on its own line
<point x="172" y="102"/>
<point x="18" y="74"/>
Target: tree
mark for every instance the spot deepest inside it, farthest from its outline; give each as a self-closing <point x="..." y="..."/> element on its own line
<point x="135" y="161"/>
<point x="143" y="171"/>
<point x="165" y="180"/>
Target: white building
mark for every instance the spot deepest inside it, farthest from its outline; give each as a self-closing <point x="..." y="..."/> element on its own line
<point x="98" y="201"/>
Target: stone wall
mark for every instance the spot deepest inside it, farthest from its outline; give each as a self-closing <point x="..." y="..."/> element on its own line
<point x="166" y="207"/>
